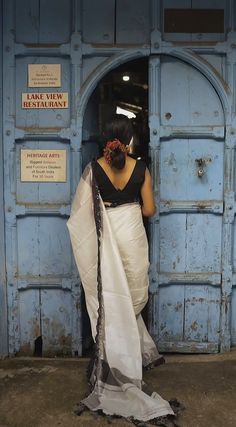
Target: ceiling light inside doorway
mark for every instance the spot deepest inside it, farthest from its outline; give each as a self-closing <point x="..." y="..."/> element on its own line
<point x="127" y="113"/>
<point x="126" y="78"/>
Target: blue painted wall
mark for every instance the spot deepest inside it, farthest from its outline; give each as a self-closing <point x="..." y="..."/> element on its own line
<point x="3" y="295"/>
<point x="192" y="110"/>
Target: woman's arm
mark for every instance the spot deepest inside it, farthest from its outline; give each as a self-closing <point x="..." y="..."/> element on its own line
<point x="148" y="206"/>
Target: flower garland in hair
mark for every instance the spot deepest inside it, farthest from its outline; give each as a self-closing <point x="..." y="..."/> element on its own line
<point x="112" y="146"/>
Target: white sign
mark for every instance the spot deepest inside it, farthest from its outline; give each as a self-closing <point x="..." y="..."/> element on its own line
<point x="54" y="100"/>
<point x="43" y="165"/>
<point x="44" y="75"/>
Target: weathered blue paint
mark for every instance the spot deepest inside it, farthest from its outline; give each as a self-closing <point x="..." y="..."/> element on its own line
<point x="233" y="317"/>
<point x="192" y="124"/>
<point x="188" y="247"/>
<point x="43" y="285"/>
<point x="3" y="294"/>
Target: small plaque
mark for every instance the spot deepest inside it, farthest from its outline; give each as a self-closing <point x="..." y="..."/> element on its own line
<point x="43" y="165"/>
<point x="44" y="75"/>
<point x="44" y="100"/>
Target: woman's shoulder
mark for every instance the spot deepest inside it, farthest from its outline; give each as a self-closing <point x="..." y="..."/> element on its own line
<point x="141" y="164"/>
<point x="99" y="166"/>
<point x="139" y="160"/>
<point x="139" y="168"/>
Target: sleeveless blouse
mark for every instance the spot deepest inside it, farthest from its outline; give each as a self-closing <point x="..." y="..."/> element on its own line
<point x="129" y="194"/>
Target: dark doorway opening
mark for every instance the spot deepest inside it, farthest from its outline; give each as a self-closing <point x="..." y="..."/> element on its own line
<point x="122" y="89"/>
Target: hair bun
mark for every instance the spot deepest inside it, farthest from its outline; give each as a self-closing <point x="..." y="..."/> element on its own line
<point x="114" y="154"/>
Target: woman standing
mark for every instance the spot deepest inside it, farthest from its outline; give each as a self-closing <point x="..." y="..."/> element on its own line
<point x="111" y="251"/>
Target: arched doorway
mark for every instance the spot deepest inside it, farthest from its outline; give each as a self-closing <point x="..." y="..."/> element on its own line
<point x="185" y="151"/>
<point x="114" y="94"/>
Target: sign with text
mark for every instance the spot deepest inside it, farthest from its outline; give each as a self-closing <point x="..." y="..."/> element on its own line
<point x="43" y="165"/>
<point x="44" y="75"/>
<point x="44" y="100"/>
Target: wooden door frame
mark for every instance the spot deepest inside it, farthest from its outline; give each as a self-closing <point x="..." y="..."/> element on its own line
<point x="225" y="95"/>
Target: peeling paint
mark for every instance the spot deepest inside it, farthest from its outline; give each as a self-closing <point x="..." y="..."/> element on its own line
<point x="194" y="326"/>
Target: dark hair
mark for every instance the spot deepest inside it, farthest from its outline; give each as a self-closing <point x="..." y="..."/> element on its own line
<point x="117" y="159"/>
<point x="119" y="127"/>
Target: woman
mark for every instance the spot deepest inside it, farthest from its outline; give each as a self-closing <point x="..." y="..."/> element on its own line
<point x="111" y="252"/>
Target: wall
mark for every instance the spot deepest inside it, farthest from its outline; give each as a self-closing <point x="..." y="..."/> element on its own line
<point x="89" y="39"/>
<point x="3" y="297"/>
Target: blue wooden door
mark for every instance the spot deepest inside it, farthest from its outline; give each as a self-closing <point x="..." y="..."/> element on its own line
<point x="42" y="282"/>
<point x="187" y="159"/>
<point x="187" y="151"/>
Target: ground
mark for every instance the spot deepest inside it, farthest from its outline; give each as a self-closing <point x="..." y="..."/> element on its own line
<point x="43" y="392"/>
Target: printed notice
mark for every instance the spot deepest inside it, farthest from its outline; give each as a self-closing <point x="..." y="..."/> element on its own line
<point x="43" y="165"/>
<point x="44" y="75"/>
<point x="44" y="100"/>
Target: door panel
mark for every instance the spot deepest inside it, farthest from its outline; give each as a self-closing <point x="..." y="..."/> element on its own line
<point x="171" y="313"/>
<point x="40" y="21"/>
<point x="29" y="320"/>
<point x="189" y="243"/>
<point x="203" y="243"/>
<point x="172" y="243"/>
<point x="56" y="321"/>
<point x="43" y="283"/>
<point x="189" y="193"/>
<point x="132" y="21"/>
<point x="42" y="250"/>
<point x="202" y="313"/>
<point x="187" y="97"/>
<point x="55" y="21"/>
<point x="179" y="170"/>
<point x="98" y="21"/>
<point x="233" y="317"/>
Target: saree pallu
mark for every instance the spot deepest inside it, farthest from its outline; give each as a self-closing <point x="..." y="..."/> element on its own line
<point x="111" y="252"/>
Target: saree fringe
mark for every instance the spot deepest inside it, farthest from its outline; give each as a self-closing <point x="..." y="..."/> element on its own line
<point x="114" y="305"/>
<point x="97" y="369"/>
<point x="164" y="421"/>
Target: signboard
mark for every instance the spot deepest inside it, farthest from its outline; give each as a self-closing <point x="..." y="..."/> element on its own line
<point x="43" y="165"/>
<point x="34" y="100"/>
<point x="44" y="75"/>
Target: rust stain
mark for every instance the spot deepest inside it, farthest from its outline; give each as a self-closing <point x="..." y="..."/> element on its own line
<point x="178" y="306"/>
<point x="194" y="300"/>
<point x="65" y="340"/>
<point x="25" y="350"/>
<point x="35" y="327"/>
<point x="194" y="326"/>
<point x="194" y="43"/>
<point x="34" y="129"/>
<point x="42" y="45"/>
<point x="202" y="205"/>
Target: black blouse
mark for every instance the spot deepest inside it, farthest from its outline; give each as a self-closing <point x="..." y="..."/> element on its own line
<point x="130" y="193"/>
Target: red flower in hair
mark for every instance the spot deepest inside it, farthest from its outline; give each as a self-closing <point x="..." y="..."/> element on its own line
<point x="112" y="146"/>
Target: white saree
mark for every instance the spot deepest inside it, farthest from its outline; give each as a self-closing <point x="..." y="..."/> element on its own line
<point x="111" y="253"/>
